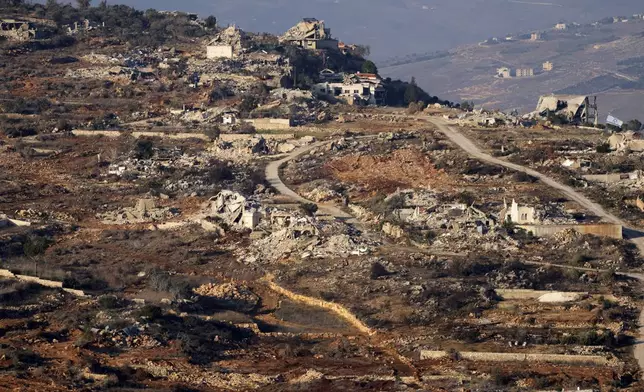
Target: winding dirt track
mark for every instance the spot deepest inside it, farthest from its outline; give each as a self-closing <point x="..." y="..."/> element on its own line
<point x="272" y="176"/>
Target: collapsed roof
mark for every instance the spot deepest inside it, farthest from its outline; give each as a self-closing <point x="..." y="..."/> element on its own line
<point x="307" y="29"/>
<point x="571" y="106"/>
<point x="233" y="36"/>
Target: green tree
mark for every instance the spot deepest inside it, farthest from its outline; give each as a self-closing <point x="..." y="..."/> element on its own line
<point x="362" y="51"/>
<point x="411" y="92"/>
<point x="633" y="125"/>
<point x="211" y="22"/>
<point x="467" y="105"/>
<point x="369" y="67"/>
<point x="51" y="4"/>
<point x="83" y="4"/>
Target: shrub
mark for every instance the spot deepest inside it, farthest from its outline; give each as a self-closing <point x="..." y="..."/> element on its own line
<point x="213" y="132"/>
<point x="523" y="177"/>
<point x="150" y="312"/>
<point x="378" y="270"/>
<point x="35" y="245"/>
<point x="603" y="148"/>
<point x="309" y="208"/>
<point x="109" y="302"/>
<point x="144" y="149"/>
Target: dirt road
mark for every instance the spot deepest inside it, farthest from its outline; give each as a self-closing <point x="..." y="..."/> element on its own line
<point x="463" y="142"/>
<point x="272" y="176"/>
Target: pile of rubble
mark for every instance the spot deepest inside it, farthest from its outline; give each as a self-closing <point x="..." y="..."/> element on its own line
<point x="235" y="210"/>
<point x="133" y="336"/>
<point x="144" y="211"/>
<point x="291" y="234"/>
<point x="229" y="295"/>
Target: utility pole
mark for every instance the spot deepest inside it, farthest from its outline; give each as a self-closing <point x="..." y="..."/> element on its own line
<point x="596" y="113"/>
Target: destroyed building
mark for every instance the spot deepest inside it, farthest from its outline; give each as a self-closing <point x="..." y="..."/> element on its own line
<point x="85" y="26"/>
<point x="358" y="89"/>
<point x="17" y="30"/>
<point x="229" y="43"/>
<point x="575" y="108"/>
<point x="519" y="214"/>
<point x="235" y="209"/>
<point x="626" y="141"/>
<point x="310" y="33"/>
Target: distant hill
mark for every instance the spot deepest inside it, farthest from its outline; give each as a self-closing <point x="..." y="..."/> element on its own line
<point x="399" y="27"/>
<point x="604" y="60"/>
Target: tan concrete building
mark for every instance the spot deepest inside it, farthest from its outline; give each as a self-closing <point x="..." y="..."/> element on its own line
<point x="524" y="72"/>
<point x="310" y="33"/>
<point x="535" y="36"/>
<point x="547" y="66"/>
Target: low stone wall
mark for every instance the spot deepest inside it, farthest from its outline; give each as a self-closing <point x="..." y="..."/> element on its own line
<point x="43" y="282"/>
<point x="509" y="294"/>
<point x="231" y="137"/>
<point x="601" y="230"/>
<point x="83" y="132"/>
<point x="178" y="136"/>
<point x="265" y="124"/>
<point x="514" y="357"/>
<point x="227" y="137"/>
<point x="612" y="178"/>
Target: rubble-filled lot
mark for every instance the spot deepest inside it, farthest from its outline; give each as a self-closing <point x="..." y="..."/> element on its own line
<point x="148" y="250"/>
<point x="580" y="157"/>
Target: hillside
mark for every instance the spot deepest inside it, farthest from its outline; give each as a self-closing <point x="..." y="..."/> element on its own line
<point x="398" y="28"/>
<point x="603" y="60"/>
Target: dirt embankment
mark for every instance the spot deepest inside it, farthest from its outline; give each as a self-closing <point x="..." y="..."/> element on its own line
<point x="403" y="168"/>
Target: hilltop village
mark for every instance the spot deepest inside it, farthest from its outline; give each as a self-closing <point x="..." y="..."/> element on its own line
<point x="186" y="206"/>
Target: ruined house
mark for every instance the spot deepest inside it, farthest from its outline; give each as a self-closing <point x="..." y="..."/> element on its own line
<point x="520" y="215"/>
<point x="504" y="72"/>
<point x="84" y="26"/>
<point x="575" y="108"/>
<point x="310" y="33"/>
<point x="358" y="89"/>
<point x="234" y="209"/>
<point x="229" y="43"/>
<point x="16" y="30"/>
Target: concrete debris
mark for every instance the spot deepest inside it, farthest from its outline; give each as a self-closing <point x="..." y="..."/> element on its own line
<point x="235" y="210"/>
<point x="559" y="297"/>
<point x="6" y="222"/>
<point x="393" y="231"/>
<point x="319" y="191"/>
<point x="626" y="141"/>
<point x="295" y="236"/>
<point x="134" y="336"/>
<point x="311" y="375"/>
<point x="230" y="295"/>
<point x="144" y="211"/>
<point x="229" y="43"/>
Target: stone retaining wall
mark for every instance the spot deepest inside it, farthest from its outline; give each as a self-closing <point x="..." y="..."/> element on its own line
<point x="601" y="230"/>
<point x="43" y="282"/>
<point x="514" y="357"/>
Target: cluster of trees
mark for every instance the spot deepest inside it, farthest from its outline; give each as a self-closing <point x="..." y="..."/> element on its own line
<point x="400" y="93"/>
<point x="139" y="27"/>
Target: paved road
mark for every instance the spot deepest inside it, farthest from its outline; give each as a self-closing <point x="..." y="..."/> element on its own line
<point x="460" y="140"/>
